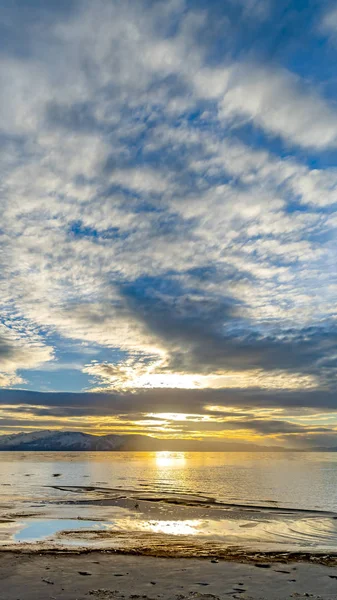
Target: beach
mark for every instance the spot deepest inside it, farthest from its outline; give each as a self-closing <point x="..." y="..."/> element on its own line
<point x="148" y="526"/>
<point x="98" y="575"/>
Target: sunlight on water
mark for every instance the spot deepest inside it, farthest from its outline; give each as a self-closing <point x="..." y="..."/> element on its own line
<point x="170" y="459"/>
<point x="231" y="498"/>
<point x="188" y="527"/>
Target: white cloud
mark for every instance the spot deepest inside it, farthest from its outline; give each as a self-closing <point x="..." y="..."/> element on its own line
<point x="151" y="372"/>
<point x="143" y="180"/>
<point x="103" y="109"/>
<point x="277" y="101"/>
<point x="20" y="348"/>
<point x="9" y="380"/>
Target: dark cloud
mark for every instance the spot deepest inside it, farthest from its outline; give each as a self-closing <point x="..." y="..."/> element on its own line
<point x="221" y="423"/>
<point x="277" y="426"/>
<point x="76" y="117"/>
<point x="208" y="334"/>
<point x="20" y="21"/>
<point x="261" y="426"/>
<point x="171" y="400"/>
<point x="7" y="348"/>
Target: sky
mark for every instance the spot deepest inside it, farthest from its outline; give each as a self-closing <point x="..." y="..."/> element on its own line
<point x="168" y="195"/>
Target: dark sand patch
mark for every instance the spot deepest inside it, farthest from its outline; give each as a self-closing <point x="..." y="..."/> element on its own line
<point x="157" y="546"/>
<point x="182" y="499"/>
<point x="21" y="577"/>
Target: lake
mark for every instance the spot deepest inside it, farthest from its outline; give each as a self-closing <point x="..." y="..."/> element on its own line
<point x="191" y="501"/>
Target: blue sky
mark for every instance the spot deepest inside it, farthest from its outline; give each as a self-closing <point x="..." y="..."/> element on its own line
<point x="168" y="218"/>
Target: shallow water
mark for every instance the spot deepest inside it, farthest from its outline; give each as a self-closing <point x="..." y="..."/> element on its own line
<point x="37" y="530"/>
<point x="132" y="500"/>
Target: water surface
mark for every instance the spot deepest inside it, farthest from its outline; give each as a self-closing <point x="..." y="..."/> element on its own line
<point x="278" y="501"/>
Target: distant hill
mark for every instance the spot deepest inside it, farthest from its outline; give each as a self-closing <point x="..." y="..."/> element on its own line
<point x="54" y="441"/>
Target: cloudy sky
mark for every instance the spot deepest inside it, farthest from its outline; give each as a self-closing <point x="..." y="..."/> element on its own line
<point x="168" y="218"/>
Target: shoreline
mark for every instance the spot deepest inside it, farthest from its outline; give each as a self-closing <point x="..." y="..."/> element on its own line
<point x="235" y="555"/>
<point x="107" y="576"/>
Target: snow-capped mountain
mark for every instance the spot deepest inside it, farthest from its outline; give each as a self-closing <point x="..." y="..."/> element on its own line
<point x="76" y="441"/>
<point x="51" y="440"/>
<point x="24" y="438"/>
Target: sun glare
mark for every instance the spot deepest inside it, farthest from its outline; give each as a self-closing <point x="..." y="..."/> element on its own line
<point x="187" y="527"/>
<point x="170" y="459"/>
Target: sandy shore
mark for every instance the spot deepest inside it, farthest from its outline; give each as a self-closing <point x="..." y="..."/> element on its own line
<point x="103" y="576"/>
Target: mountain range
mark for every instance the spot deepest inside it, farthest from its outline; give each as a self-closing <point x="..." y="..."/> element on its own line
<point x="53" y="441"/>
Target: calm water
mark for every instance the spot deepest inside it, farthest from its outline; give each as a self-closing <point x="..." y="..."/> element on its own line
<point x="129" y="499"/>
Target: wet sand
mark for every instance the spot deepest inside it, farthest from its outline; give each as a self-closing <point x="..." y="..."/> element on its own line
<point x="99" y="575"/>
<point x="154" y="543"/>
<point x="163" y="525"/>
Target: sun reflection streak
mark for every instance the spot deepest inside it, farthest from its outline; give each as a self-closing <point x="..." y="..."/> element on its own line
<point x="187" y="527"/>
<point x="170" y="459"/>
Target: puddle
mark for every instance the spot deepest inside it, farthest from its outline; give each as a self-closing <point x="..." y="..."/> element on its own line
<point x="94" y="517"/>
<point x="38" y="531"/>
<point x="300" y="532"/>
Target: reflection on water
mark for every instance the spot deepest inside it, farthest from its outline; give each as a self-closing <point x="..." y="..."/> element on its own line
<point x="228" y="499"/>
<point x="188" y="527"/>
<point x="39" y="530"/>
<point x="301" y="480"/>
<point x="170" y="459"/>
<point x="295" y="534"/>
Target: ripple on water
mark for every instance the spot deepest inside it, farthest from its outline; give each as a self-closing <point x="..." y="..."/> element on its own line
<point x="128" y="531"/>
